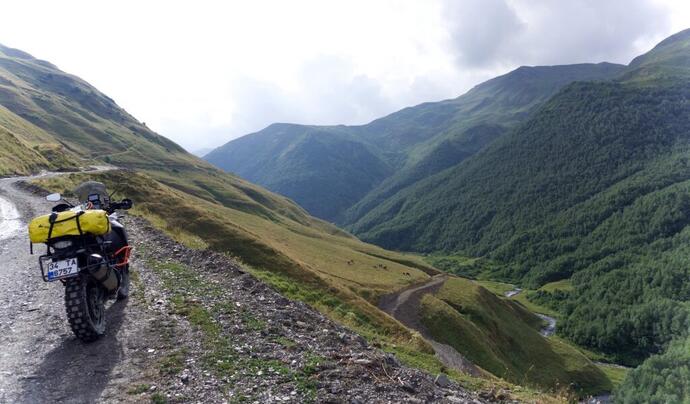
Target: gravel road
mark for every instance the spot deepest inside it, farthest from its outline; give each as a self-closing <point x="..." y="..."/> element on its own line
<point x="404" y="306"/>
<point x="40" y="360"/>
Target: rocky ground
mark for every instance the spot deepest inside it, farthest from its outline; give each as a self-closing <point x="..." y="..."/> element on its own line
<point x="196" y="328"/>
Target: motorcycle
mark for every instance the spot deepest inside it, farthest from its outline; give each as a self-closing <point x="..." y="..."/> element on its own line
<point x="88" y="252"/>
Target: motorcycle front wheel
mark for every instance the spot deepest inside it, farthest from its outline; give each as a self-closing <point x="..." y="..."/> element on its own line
<point x="85" y="305"/>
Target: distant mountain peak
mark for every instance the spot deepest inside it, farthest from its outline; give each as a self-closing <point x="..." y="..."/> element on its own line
<point x="15" y="53"/>
<point x="683" y="35"/>
<point x="20" y="54"/>
<point x="671" y="56"/>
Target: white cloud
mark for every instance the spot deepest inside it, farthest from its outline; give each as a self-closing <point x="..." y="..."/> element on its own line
<point x="204" y="72"/>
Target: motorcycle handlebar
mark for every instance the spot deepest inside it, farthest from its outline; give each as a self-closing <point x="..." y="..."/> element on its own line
<point x="125" y="204"/>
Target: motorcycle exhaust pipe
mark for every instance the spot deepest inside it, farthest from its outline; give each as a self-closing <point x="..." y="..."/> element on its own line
<point x="105" y="275"/>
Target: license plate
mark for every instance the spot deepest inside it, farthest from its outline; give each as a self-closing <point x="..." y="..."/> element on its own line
<point x="62" y="269"/>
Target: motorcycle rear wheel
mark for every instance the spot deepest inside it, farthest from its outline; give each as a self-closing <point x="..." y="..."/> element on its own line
<point x="85" y="305"/>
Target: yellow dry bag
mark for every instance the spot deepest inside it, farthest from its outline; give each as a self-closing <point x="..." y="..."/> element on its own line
<point x="69" y="223"/>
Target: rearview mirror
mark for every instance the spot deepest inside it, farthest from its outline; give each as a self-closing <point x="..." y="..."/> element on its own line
<point x="54" y="198"/>
<point x="126" y="204"/>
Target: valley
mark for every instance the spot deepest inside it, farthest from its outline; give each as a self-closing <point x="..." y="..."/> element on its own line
<point x="570" y="182"/>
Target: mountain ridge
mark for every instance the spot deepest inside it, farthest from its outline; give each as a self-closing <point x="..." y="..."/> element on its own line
<point x="402" y="147"/>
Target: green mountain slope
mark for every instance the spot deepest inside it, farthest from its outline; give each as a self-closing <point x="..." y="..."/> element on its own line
<point x="339" y="173"/>
<point x="662" y="378"/>
<point x="80" y="119"/>
<point x="28" y="148"/>
<point x="503" y="337"/>
<point x="595" y="186"/>
<point x="335" y="167"/>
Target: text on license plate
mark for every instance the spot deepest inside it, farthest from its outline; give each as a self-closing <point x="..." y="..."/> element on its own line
<point x="62" y="269"/>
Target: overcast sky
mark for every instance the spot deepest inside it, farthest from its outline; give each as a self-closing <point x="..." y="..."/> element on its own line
<point x="205" y="72"/>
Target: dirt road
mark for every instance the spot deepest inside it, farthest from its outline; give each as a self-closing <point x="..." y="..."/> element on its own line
<point x="404" y="306"/>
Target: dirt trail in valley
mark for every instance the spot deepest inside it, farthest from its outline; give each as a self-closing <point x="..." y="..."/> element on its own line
<point x="404" y="306"/>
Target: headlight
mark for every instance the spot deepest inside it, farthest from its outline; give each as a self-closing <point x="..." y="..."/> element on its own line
<point x="61" y="245"/>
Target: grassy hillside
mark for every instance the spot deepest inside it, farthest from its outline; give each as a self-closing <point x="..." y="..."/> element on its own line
<point x="18" y="158"/>
<point x="480" y="116"/>
<point x="594" y="188"/>
<point x="274" y="236"/>
<point x="27" y="148"/>
<point x="502" y="337"/>
<point x="77" y="117"/>
<point x="338" y="173"/>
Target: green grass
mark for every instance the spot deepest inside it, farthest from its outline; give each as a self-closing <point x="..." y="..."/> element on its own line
<point x="460" y="265"/>
<point x="502" y="337"/>
<point x="615" y="373"/>
<point x="500" y="288"/>
<point x="251" y="322"/>
<point x="72" y="113"/>
<point x="138" y="389"/>
<point x="524" y="299"/>
<point x="25" y="148"/>
<point x="158" y="398"/>
<point x="284" y="341"/>
<point x="564" y="285"/>
<point x="173" y="362"/>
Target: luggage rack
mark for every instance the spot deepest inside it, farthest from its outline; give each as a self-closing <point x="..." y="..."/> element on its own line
<point x="125" y="251"/>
